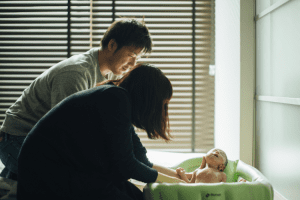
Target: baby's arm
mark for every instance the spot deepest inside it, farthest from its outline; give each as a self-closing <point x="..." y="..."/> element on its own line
<point x="192" y="175"/>
<point x="203" y="164"/>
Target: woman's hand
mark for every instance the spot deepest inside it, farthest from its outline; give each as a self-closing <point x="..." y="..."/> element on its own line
<point x="166" y="171"/>
<point x="181" y="172"/>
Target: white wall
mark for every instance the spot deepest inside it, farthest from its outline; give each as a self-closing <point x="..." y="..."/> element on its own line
<point x="227" y="78"/>
<point x="278" y="75"/>
<point x="277" y="138"/>
<point x="235" y="78"/>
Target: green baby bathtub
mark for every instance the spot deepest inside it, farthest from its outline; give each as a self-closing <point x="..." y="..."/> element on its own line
<point x="257" y="186"/>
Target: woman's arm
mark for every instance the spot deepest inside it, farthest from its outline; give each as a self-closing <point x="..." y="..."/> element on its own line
<point x="171" y="172"/>
<point x="167" y="175"/>
<point x="166" y="171"/>
<point x="163" y="178"/>
<point x="115" y="109"/>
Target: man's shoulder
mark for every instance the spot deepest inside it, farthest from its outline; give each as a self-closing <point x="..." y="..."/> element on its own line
<point x="71" y="70"/>
<point x="83" y="62"/>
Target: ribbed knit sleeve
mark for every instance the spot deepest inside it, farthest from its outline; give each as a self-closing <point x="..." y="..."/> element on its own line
<point x="121" y="144"/>
<point x="140" y="151"/>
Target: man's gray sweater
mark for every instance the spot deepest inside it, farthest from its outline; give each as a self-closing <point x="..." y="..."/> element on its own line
<point x="80" y="72"/>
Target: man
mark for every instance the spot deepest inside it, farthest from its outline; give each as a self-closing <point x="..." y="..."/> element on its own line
<point x="122" y="44"/>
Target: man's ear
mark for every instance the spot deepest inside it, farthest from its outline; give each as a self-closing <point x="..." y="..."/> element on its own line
<point x="112" y="45"/>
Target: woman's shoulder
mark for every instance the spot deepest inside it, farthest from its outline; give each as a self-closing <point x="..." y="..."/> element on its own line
<point x="108" y="87"/>
<point x="112" y="91"/>
<point x="111" y="88"/>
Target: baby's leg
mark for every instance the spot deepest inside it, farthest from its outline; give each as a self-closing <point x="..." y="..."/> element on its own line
<point x="181" y="172"/>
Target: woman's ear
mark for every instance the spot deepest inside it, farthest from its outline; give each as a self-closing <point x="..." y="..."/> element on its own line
<point x="221" y="168"/>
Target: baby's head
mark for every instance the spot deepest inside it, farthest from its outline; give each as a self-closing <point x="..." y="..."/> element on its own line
<point x="216" y="158"/>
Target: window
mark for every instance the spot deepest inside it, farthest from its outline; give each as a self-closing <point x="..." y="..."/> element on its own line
<point x="34" y="35"/>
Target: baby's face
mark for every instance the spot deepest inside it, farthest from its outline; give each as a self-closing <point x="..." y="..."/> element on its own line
<point x="215" y="157"/>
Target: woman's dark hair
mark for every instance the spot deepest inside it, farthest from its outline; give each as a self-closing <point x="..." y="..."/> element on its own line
<point x="128" y="32"/>
<point x="150" y="92"/>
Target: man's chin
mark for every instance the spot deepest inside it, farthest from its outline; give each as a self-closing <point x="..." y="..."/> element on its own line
<point x="118" y="73"/>
<point x="124" y="72"/>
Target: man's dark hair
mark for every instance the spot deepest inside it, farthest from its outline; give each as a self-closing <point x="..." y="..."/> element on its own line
<point x="128" y="32"/>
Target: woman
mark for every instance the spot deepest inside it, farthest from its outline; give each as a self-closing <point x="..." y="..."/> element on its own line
<point x="86" y="146"/>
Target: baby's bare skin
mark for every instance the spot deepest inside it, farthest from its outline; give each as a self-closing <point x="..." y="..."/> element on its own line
<point x="211" y="169"/>
<point x="208" y="175"/>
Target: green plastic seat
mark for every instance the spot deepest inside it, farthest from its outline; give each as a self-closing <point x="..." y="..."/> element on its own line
<point x="257" y="187"/>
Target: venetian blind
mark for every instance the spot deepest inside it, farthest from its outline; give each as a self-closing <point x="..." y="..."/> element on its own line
<point x="183" y="38"/>
<point x="37" y="34"/>
<point x="33" y="37"/>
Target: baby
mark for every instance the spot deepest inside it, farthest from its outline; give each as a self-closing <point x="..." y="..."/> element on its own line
<point x="210" y="171"/>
